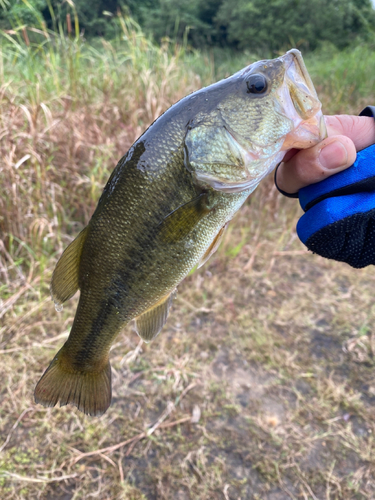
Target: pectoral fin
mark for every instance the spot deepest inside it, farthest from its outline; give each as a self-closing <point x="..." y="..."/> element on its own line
<point x="213" y="247"/>
<point x="64" y="282"/>
<point x="149" y="324"/>
<point x="178" y="224"/>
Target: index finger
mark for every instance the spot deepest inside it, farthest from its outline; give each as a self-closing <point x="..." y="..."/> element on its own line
<point x="360" y="129"/>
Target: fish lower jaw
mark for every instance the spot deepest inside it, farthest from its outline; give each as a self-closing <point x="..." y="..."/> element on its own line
<point x="307" y="134"/>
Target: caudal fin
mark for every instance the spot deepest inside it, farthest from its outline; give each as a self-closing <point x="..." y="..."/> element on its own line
<point x="90" y="392"/>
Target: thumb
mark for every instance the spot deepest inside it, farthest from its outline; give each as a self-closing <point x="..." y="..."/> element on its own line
<point x="312" y="165"/>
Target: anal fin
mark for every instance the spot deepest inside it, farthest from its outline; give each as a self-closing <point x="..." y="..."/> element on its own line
<point x="149" y="323"/>
<point x="64" y="282"/>
<point x="213" y="247"/>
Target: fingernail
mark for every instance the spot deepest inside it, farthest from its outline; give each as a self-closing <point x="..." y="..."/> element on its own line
<point x="333" y="156"/>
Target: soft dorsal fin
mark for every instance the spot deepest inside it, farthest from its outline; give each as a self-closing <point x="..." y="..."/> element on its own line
<point x="213" y="247"/>
<point x="149" y="324"/>
<point x="178" y="224"/>
<point x="64" y="282"/>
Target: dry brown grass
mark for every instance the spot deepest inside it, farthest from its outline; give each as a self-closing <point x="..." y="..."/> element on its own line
<point x="261" y="385"/>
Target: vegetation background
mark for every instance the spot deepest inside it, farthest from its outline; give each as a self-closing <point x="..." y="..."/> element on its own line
<point x="244" y="24"/>
<point x="261" y="385"/>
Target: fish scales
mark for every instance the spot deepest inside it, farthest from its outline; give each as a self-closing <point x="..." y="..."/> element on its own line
<point x="132" y="276"/>
<point x="164" y="210"/>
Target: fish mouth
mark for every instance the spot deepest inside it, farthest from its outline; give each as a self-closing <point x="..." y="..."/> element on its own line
<point x="299" y="109"/>
<point x="299" y="102"/>
<point x="294" y="58"/>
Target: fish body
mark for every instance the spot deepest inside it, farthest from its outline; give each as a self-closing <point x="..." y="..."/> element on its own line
<point x="164" y="210"/>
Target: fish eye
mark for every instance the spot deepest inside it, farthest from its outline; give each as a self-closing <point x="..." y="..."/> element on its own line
<point x="256" y="84"/>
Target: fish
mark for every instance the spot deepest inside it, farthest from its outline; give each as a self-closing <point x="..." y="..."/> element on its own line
<point x="164" y="211"/>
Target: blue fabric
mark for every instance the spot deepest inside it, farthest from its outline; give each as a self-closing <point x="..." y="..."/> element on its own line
<point x="339" y="222"/>
<point x="362" y="169"/>
<point x="332" y="210"/>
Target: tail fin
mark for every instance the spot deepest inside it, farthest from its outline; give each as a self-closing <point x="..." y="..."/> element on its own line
<point x="90" y="392"/>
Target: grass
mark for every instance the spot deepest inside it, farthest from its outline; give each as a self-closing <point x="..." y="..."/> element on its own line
<point x="261" y="384"/>
<point x="343" y="78"/>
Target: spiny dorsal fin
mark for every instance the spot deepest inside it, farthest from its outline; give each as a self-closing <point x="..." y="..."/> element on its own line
<point x="64" y="282"/>
<point x="149" y="324"/>
<point x="90" y="392"/>
<point x="213" y="247"/>
<point x="178" y="224"/>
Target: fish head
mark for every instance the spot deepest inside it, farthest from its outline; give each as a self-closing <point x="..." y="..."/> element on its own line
<point x="251" y="120"/>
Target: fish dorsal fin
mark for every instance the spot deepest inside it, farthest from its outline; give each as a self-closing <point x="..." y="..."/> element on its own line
<point x="149" y="324"/>
<point x="64" y="282"/>
<point x="213" y="247"/>
<point x="178" y="224"/>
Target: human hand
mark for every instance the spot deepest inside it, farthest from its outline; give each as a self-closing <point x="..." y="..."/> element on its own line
<point x="347" y="134"/>
<point x="339" y="219"/>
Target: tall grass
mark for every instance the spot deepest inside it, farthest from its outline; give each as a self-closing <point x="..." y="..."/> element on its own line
<point x="70" y="109"/>
<point x="345" y="80"/>
<point x="68" y="112"/>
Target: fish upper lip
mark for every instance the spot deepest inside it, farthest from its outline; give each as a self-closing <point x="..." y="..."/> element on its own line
<point x="295" y="56"/>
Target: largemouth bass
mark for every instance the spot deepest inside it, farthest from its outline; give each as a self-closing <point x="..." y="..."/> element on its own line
<point x="164" y="210"/>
